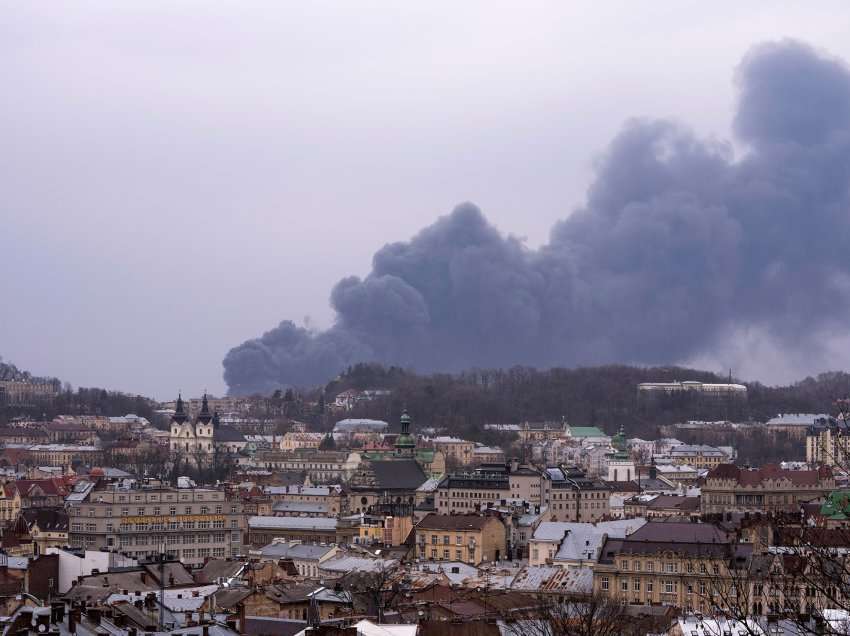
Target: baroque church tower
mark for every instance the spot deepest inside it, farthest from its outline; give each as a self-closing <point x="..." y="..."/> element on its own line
<point x="187" y="438"/>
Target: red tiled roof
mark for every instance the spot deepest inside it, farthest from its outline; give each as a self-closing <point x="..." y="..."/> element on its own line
<point x="48" y="486"/>
<point x="755" y="476"/>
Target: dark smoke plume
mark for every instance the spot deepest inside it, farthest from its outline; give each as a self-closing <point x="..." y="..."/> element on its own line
<point x="678" y="245"/>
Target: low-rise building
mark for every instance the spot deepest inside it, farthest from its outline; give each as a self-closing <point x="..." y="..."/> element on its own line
<point x="487" y="455"/>
<point x="468" y="538"/>
<point x="576" y="545"/>
<point x="306" y="557"/>
<point x="662" y="506"/>
<point x="333" y="498"/>
<point x="770" y="488"/>
<point x="264" y="530"/>
<point x="455" y="449"/>
<point x="698" y="455"/>
<point x="319" y="466"/>
<point x="291" y="441"/>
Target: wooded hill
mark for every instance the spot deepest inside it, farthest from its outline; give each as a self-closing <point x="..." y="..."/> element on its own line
<point x="602" y="396"/>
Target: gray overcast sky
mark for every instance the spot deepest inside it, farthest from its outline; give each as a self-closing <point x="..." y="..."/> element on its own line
<point x="176" y="177"/>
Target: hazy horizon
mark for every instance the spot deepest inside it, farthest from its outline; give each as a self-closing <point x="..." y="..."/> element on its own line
<point x="179" y="179"/>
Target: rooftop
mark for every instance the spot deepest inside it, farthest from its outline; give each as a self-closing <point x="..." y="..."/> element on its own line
<point x="292" y="523"/>
<point x="453" y="522"/>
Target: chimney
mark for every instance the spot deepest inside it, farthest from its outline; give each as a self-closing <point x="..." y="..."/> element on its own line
<point x="144" y="577"/>
<point x="205" y="630"/>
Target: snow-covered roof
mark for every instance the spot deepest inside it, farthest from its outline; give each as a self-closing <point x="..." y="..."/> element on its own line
<point x="292" y="523"/>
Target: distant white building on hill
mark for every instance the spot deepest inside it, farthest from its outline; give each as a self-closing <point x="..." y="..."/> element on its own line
<point x="708" y="389"/>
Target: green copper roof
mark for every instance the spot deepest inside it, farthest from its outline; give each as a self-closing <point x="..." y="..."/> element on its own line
<point x="586" y="431"/>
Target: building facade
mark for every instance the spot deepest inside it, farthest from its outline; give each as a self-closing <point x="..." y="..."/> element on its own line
<point x="770" y="488"/>
<point x="189" y="524"/>
<point x="471" y="539"/>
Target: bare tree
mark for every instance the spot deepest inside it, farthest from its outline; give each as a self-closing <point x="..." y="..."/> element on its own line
<point x="597" y="615"/>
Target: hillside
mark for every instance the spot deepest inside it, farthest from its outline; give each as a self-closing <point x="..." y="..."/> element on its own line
<point x="602" y="396"/>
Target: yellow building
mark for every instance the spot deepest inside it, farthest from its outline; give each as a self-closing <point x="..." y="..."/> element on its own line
<point x="454" y="449"/>
<point x="468" y="538"/>
<point x="10" y="503"/>
<point x="668" y="563"/>
<point x="291" y="441"/>
<point x="387" y="531"/>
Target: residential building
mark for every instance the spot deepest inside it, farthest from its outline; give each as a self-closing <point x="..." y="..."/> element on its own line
<point x="469" y="492"/>
<point x="662" y="506"/>
<point x="667" y="563"/>
<point x="468" y="538"/>
<point x="333" y="498"/>
<point x="698" y="456"/>
<point x="264" y="530"/>
<point x="319" y="466"/>
<point x="770" y="488"/>
<point x="307" y="557"/>
<point x="828" y="442"/>
<point x="576" y="545"/>
<point x="455" y="449"/>
<point x="487" y="455"/>
<point x="47" y="527"/>
<point x="573" y="496"/>
<point x="290" y="441"/>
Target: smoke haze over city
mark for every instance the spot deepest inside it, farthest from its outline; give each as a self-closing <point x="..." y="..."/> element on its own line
<point x="437" y="186"/>
<point x="680" y="246"/>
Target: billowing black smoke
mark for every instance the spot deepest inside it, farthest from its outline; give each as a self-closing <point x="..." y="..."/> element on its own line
<point x="678" y="245"/>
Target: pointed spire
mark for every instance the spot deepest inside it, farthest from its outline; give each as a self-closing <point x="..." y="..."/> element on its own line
<point x="179" y="410"/>
<point x="205" y="415"/>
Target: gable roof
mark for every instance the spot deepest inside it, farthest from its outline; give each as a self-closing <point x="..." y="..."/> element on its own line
<point x="434" y="521"/>
<point x="756" y="476"/>
<point x="226" y="433"/>
<point x="398" y="474"/>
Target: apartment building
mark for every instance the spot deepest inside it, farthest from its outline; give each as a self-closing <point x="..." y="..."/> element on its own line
<point x="455" y="449"/>
<point x="770" y="488"/>
<point x="189" y="524"/>
<point x="573" y="496"/>
<point x="290" y="441"/>
<point x="669" y="563"/>
<point x="828" y="442"/>
<point x="265" y="530"/>
<point x="470" y="492"/>
<point x="332" y="498"/>
<point x="698" y="456"/>
<point x="490" y="485"/>
<point x="320" y="466"/>
<point x="468" y="538"/>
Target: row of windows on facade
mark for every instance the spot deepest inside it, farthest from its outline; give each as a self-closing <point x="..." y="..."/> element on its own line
<point x="446" y="539"/>
<point x="668" y="567"/>
<point x="157" y="511"/>
<point x="594" y="505"/>
<point x="447" y="554"/>
<point x="145" y="527"/>
<point x="189" y="539"/>
<point x="585" y="495"/>
<point x="213" y="496"/>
